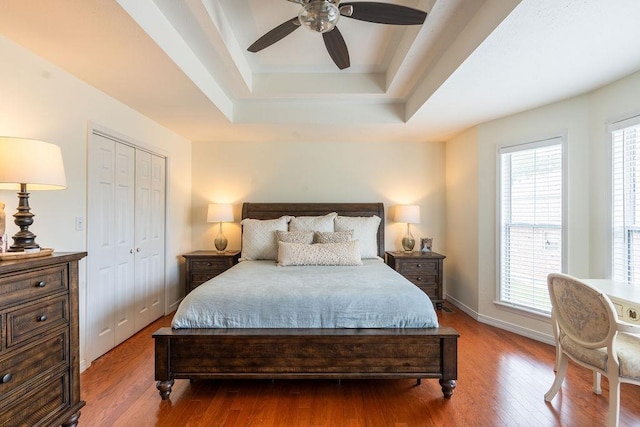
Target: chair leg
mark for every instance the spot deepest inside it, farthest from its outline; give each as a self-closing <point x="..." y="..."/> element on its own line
<point x="596" y="382"/>
<point x="614" y="401"/>
<point x="563" y="363"/>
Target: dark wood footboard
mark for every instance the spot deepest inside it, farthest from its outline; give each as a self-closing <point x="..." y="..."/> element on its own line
<point x="306" y="353"/>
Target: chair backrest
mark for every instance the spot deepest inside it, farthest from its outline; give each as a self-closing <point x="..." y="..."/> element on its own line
<point x="582" y="312"/>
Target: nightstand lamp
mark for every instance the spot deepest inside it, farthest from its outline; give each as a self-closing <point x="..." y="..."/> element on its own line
<point x="27" y="164"/>
<point x="218" y="212"/>
<point x="411" y="215"/>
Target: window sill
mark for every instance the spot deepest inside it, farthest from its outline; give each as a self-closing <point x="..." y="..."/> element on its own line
<point x="523" y="311"/>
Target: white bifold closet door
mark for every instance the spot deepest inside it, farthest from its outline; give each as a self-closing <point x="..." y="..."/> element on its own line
<point x="126" y="242"/>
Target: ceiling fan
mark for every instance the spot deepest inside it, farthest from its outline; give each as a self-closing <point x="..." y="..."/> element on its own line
<point x="322" y="16"/>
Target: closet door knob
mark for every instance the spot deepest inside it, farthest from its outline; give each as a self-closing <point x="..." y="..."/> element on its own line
<point x="137" y="249"/>
<point x="131" y="250"/>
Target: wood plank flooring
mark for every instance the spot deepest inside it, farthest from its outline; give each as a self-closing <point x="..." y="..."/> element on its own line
<point x="502" y="378"/>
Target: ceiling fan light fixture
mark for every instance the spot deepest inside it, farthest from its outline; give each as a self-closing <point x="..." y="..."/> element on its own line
<point x="319" y="16"/>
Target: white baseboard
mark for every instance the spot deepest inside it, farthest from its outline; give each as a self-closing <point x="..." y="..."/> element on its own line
<point x="516" y="329"/>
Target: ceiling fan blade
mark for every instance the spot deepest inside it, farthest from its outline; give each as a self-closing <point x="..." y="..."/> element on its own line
<point x="337" y="48"/>
<point x="383" y="13"/>
<point x="277" y="34"/>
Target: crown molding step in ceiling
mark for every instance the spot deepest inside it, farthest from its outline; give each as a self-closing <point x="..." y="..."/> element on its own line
<point x="433" y="69"/>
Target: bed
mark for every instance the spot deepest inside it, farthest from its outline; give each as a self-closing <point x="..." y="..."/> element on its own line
<point x="307" y="352"/>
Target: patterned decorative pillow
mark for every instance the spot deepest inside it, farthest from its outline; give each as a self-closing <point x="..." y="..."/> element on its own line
<point x="345" y="253"/>
<point x="335" y="237"/>
<point x="313" y="223"/>
<point x="259" y="237"/>
<point x="365" y="229"/>
<point x="305" y="237"/>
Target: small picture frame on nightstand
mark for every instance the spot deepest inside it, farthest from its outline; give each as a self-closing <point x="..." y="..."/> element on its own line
<point x="425" y="244"/>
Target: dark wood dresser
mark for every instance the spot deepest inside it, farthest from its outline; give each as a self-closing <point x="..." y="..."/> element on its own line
<point x="204" y="265"/>
<point x="423" y="269"/>
<point x="39" y="350"/>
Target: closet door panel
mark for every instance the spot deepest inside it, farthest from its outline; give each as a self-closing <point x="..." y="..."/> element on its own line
<point x="143" y="240"/>
<point x="157" y="237"/>
<point x="101" y="246"/>
<point x="125" y="244"/>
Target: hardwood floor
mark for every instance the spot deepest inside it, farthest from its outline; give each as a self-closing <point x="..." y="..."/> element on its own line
<point x="502" y="378"/>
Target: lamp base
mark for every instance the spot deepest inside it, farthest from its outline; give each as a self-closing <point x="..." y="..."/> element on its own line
<point x="221" y="243"/>
<point x="23" y="239"/>
<point x="408" y="243"/>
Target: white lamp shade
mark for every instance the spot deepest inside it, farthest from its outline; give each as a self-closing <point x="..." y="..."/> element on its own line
<point x="407" y="213"/>
<point x="28" y="161"/>
<point x="219" y="212"/>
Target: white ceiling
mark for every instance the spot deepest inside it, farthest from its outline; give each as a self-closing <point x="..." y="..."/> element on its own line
<point x="184" y="63"/>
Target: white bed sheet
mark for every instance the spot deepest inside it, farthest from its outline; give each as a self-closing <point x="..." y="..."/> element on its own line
<point x="259" y="294"/>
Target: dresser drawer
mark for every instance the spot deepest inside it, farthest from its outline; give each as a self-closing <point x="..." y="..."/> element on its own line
<point x="213" y="265"/>
<point x="430" y="290"/>
<point x="17" y="370"/>
<point x="40" y="406"/>
<point x="26" y="286"/>
<point x="416" y="267"/>
<point x="30" y="320"/>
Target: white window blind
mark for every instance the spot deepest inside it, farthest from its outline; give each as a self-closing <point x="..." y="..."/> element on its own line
<point x="531" y="222"/>
<point x="625" y="142"/>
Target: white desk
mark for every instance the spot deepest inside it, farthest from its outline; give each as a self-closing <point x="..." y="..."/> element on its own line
<point x="626" y="298"/>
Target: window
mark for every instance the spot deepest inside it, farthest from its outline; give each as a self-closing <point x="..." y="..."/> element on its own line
<point x="625" y="143"/>
<point x="531" y="217"/>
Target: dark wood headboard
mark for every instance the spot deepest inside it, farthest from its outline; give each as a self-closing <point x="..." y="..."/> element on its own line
<point x="276" y="210"/>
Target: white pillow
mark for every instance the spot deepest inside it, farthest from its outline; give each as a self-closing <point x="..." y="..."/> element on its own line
<point x="365" y="229"/>
<point x="312" y="223"/>
<point x="259" y="237"/>
<point x="345" y="253"/>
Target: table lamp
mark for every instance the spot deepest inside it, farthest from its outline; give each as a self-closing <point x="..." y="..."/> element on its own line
<point x="411" y="215"/>
<point x="219" y="212"/>
<point x="27" y="165"/>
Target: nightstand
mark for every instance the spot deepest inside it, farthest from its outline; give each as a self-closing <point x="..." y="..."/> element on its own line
<point x="422" y="269"/>
<point x="203" y="265"/>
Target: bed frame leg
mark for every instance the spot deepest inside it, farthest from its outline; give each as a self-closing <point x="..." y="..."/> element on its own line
<point x="447" y="387"/>
<point x="164" y="387"/>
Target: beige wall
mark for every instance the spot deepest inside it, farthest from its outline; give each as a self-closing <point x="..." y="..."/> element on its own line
<point x="392" y="173"/>
<point x="582" y="122"/>
<point x="40" y="101"/>
<point x="461" y="267"/>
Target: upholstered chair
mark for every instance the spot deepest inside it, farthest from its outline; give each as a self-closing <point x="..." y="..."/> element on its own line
<point x="587" y="331"/>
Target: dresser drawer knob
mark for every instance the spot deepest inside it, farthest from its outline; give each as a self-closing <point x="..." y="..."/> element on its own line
<point x="41" y="284"/>
<point x="419" y="279"/>
<point x="6" y="378"/>
<point x="42" y="318"/>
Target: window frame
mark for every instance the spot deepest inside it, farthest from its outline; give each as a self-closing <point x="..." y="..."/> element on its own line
<point x="626" y="121"/>
<point x="555" y="139"/>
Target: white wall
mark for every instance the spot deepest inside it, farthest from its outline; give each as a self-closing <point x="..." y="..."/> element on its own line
<point x="582" y="121"/>
<point x="392" y="173"/>
<point x="41" y="101"/>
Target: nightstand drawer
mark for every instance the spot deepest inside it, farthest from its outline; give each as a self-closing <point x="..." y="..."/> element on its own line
<point x="33" y="360"/>
<point x="417" y="267"/>
<point x="21" y="287"/>
<point x="430" y="290"/>
<point x="34" y="319"/>
<point x="199" y="279"/>
<point x="423" y="279"/>
<point x="214" y="265"/>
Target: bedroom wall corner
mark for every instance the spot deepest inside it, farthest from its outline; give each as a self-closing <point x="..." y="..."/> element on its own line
<point x="462" y="246"/>
<point x="42" y="101"/>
